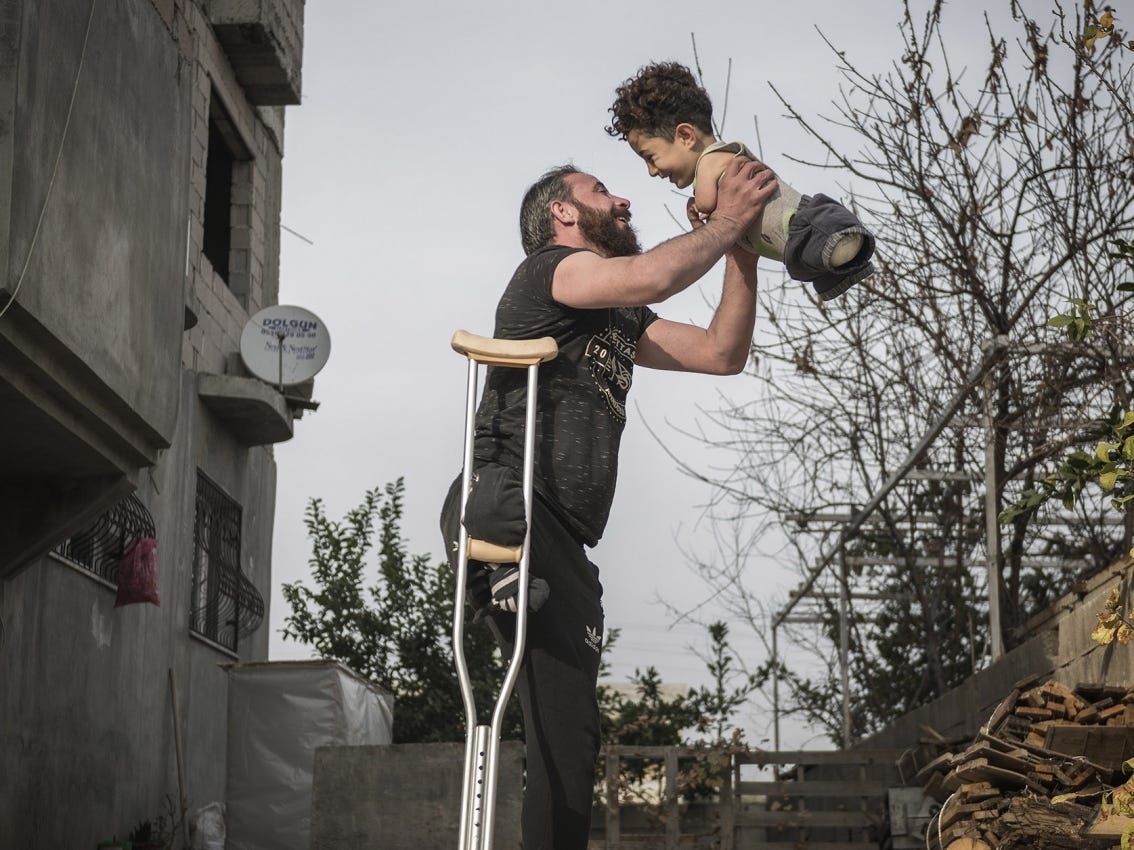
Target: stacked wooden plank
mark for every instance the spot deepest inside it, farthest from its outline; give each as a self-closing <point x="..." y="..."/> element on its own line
<point x="1034" y="775"/>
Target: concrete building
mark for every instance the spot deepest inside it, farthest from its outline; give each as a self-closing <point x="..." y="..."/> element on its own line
<point x="141" y="144"/>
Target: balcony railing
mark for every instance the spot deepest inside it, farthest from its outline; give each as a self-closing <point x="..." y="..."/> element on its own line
<point x="99" y="548"/>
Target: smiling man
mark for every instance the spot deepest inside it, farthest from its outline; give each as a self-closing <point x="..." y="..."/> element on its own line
<point x="587" y="283"/>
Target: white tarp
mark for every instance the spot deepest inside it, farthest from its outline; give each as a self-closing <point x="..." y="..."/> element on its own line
<point x="279" y="712"/>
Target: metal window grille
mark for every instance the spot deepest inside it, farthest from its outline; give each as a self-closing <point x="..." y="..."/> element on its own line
<point x="224" y="604"/>
<point x="99" y="547"/>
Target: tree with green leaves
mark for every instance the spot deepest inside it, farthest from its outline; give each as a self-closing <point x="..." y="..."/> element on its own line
<point x="703" y="717"/>
<point x="392" y="624"/>
<point x="1110" y="465"/>
<point x="388" y="616"/>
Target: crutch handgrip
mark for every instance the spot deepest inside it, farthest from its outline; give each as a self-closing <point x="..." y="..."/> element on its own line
<point x="492" y="553"/>
<point x="505" y="352"/>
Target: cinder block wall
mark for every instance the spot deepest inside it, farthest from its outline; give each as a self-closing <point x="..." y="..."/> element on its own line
<point x="222" y="308"/>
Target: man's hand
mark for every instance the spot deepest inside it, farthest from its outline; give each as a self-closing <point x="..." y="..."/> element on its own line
<point x="747" y="185"/>
<point x="693" y="214"/>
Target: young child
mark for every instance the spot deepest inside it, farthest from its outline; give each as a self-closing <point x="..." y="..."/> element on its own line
<point x="667" y="118"/>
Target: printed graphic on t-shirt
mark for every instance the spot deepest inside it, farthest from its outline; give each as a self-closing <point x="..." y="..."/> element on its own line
<point x="611" y="357"/>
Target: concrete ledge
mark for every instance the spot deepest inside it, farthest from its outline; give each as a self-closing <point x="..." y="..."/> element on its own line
<point x="255" y="413"/>
<point x="264" y="43"/>
<point x="405" y="797"/>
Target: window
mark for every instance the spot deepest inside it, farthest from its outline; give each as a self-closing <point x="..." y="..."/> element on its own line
<point x="225" y="167"/>
<point x="216" y="565"/>
<point x="224" y="605"/>
<point x="99" y="548"/>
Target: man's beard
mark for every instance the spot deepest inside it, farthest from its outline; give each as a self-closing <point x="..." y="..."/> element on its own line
<point x="603" y="231"/>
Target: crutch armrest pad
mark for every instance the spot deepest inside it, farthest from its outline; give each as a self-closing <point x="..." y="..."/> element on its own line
<point x="505" y="352"/>
<point x="491" y="553"/>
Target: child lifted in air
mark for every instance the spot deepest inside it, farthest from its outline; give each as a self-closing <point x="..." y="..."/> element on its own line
<point x="667" y="118"/>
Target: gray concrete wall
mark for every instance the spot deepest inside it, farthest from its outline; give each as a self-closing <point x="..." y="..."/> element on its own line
<point x="1060" y="648"/>
<point x="106" y="281"/>
<point x="405" y="797"/>
<point x="9" y="72"/>
<point x="86" y="726"/>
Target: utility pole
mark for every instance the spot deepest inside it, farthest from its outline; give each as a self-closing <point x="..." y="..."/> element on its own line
<point x="844" y="645"/>
<point x="991" y="514"/>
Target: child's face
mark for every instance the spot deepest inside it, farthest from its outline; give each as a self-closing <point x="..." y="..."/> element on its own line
<point x="674" y="159"/>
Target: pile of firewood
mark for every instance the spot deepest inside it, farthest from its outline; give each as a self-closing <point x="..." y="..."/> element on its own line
<point x="1035" y="774"/>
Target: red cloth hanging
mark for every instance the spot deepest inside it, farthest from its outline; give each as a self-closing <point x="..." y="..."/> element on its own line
<point x="137" y="573"/>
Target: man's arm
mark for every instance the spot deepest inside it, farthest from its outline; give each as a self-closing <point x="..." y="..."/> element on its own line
<point x="720" y="349"/>
<point x="586" y="280"/>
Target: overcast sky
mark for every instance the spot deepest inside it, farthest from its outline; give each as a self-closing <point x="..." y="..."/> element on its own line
<point x="421" y="126"/>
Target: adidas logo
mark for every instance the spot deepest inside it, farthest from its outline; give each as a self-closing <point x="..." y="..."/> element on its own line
<point x="593" y="639"/>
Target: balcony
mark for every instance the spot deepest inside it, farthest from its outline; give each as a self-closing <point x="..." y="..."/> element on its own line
<point x="255" y="413"/>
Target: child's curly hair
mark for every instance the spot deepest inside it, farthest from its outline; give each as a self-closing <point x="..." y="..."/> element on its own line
<point x="661" y="96"/>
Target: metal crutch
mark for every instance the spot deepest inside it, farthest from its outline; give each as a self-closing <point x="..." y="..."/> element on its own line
<point x="482" y="743"/>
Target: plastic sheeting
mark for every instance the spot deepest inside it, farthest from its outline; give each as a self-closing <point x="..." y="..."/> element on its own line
<point x="279" y="712"/>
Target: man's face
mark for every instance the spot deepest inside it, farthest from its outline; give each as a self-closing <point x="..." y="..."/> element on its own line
<point x="604" y="219"/>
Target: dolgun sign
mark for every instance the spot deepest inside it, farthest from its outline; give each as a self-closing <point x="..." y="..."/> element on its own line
<point x="285" y="345"/>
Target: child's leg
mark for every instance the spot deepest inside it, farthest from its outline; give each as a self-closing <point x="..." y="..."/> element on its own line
<point x="820" y="232"/>
<point x="769" y="234"/>
<point x="846" y="249"/>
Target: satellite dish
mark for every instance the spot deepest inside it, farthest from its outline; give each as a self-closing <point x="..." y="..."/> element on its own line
<point x="285" y="345"/>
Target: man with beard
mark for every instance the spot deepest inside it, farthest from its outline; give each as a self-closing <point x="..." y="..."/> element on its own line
<point x="586" y="283"/>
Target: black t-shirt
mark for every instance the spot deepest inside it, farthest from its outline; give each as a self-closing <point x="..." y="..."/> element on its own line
<point x="582" y="394"/>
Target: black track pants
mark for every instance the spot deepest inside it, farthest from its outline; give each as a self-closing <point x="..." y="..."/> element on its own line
<point x="557" y="681"/>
